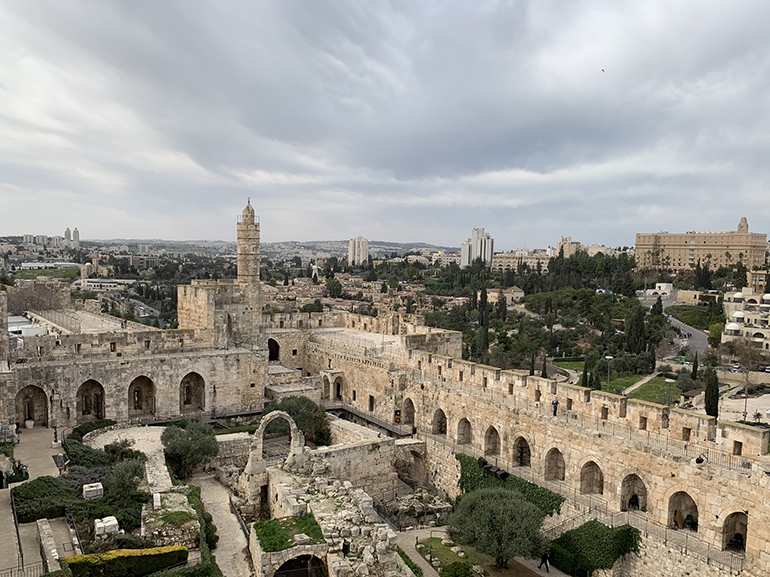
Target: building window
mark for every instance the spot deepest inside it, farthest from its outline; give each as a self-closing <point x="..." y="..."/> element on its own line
<point x="113" y="347"/>
<point x="484" y="383"/>
<point x="737" y="448"/>
<point x="460" y="376"/>
<point x="146" y="345"/>
<point x="354" y="395"/>
<point x="642" y="423"/>
<point x="686" y="432"/>
<point x="293" y="352"/>
<point x="569" y="404"/>
<point x="439" y="370"/>
<point x="605" y="413"/>
<point x="300" y="324"/>
<point x="181" y="343"/>
<point x="77" y="348"/>
<point x="280" y="324"/>
<point x="371" y="403"/>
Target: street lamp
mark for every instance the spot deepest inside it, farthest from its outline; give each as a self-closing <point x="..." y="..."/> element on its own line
<point x="609" y="358"/>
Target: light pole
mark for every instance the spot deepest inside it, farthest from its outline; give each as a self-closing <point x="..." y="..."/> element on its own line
<point x="609" y="358"/>
<point x="669" y="381"/>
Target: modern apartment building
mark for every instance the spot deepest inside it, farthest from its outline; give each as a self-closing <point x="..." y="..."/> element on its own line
<point x="676" y="251"/>
<point x="479" y="245"/>
<point x="358" y="251"/>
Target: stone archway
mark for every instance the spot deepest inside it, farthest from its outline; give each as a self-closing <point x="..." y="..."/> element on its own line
<point x="554" y="465"/>
<point x="438" y="426"/>
<point x="90" y="404"/>
<point x="464" y="432"/>
<point x="408" y="412"/>
<point x="301" y="566"/>
<point x="591" y="479"/>
<point x="192" y="393"/>
<point x="734" y="531"/>
<point x="682" y="511"/>
<point x="256" y="464"/>
<point x="338" y="389"/>
<point x="273" y="350"/>
<point x="492" y="442"/>
<point x="633" y="494"/>
<point x="522" y="455"/>
<point x="32" y="405"/>
<point x="141" y="397"/>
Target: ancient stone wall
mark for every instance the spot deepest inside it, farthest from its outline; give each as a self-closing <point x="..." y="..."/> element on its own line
<point x="233" y="450"/>
<point x="367" y="465"/>
<point x="344" y="432"/>
<point x="291" y="347"/>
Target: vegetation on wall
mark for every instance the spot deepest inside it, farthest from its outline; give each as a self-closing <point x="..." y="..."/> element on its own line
<point x="593" y="546"/>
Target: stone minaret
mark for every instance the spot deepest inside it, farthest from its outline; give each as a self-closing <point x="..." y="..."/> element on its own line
<point x="248" y="264"/>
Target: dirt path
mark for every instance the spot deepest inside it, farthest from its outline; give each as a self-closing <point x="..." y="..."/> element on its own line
<point x="231" y="553"/>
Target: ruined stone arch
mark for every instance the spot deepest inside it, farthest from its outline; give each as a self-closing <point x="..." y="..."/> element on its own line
<point x="90" y="404"/>
<point x="734" y="530"/>
<point x="633" y="493"/>
<point x="192" y="393"/>
<point x="554" y="465"/>
<point x="273" y="350"/>
<point x="591" y="479"/>
<point x="141" y="397"/>
<point x="31" y="404"/>
<point x="682" y="511"/>
<point x="303" y="565"/>
<point x="408" y="412"/>
<point x="492" y="442"/>
<point x="464" y="432"/>
<point x="522" y="454"/>
<point x="438" y="425"/>
<point x="256" y="462"/>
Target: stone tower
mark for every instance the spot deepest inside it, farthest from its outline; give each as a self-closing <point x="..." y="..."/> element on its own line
<point x="248" y="264"/>
<point x="743" y="225"/>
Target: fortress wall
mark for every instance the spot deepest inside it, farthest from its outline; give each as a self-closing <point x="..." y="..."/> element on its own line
<point x="367" y="464"/>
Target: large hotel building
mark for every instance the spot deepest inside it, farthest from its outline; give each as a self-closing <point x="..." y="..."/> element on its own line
<point x="675" y="251"/>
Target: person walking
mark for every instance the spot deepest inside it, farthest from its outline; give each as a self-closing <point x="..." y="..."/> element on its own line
<point x="544" y="560"/>
<point x="555" y="404"/>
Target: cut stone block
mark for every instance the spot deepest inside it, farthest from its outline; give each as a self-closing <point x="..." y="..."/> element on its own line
<point x="301" y="539"/>
<point x="156" y="502"/>
<point x="110" y="525"/>
<point x="93" y="491"/>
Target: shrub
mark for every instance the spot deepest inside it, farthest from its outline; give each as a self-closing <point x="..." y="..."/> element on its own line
<point x="177" y="517"/>
<point x="210" y="531"/>
<point x="84" y="456"/>
<point x="80" y="431"/>
<point x="7" y="450"/>
<point x="457" y="569"/>
<point x="416" y="569"/>
<point x="42" y="498"/>
<point x="189" y="447"/>
<point x="77" y="476"/>
<point x="119" y="541"/>
<point x="594" y="546"/>
<point x="126" y="562"/>
<point x="124" y="477"/>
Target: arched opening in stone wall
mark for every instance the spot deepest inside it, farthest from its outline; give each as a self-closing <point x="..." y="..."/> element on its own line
<point x="326" y="388"/>
<point x="438" y="426"/>
<point x="633" y="494"/>
<point x="141" y="397"/>
<point x="90" y="402"/>
<point x="682" y="511"/>
<point x="338" y="388"/>
<point x="554" y="465"/>
<point x="273" y="350"/>
<point x="32" y="405"/>
<point x="192" y="393"/>
<point x="522" y="456"/>
<point x="734" y="531"/>
<point x="408" y="412"/>
<point x="464" y="432"/>
<point x="302" y="566"/>
<point x="492" y="442"/>
<point x="591" y="479"/>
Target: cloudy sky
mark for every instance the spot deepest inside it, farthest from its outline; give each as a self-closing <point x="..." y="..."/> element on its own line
<point x="403" y="121"/>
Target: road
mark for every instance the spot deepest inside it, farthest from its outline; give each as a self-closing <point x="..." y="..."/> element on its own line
<point x="698" y="342"/>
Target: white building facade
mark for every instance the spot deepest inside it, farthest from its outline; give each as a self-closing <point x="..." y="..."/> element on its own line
<point x="479" y="245"/>
<point x="358" y="251"/>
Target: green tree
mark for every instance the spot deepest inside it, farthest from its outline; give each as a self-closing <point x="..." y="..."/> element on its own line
<point x="500" y="523"/>
<point x="712" y="392"/>
<point x="123" y="479"/>
<point x="393" y="282"/>
<point x="635" y="331"/>
<point x="501" y="308"/>
<point x="544" y="372"/>
<point x="584" y="380"/>
<point x="188" y="447"/>
<point x="694" y="373"/>
<point x="532" y="364"/>
<point x="334" y="288"/>
<point x="596" y="384"/>
<point x="657" y="308"/>
<point x="715" y="334"/>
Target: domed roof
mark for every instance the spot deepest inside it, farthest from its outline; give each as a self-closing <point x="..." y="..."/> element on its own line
<point x="738" y="296"/>
<point x="738" y="315"/>
<point x="732" y="327"/>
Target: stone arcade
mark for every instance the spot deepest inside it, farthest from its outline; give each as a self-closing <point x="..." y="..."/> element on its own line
<point x="669" y="466"/>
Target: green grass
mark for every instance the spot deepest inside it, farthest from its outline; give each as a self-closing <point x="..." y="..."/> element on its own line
<point x="656" y="391"/>
<point x="694" y="316"/>
<point x="571" y="365"/>
<point x="177" y="517"/>
<point x="620" y="383"/>
<point x="244" y="429"/>
<point x="446" y="556"/>
<point x="68" y="273"/>
<point x="278" y="534"/>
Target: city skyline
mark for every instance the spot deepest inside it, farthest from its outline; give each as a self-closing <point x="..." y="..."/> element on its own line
<point x="401" y="122"/>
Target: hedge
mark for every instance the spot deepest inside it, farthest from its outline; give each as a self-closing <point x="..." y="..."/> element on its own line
<point x="126" y="562"/>
<point x="593" y="546"/>
<point x="473" y="477"/>
<point x="80" y="431"/>
<point x="416" y="569"/>
<point x="42" y="498"/>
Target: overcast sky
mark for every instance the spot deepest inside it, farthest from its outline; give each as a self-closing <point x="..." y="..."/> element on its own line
<point x="402" y="121"/>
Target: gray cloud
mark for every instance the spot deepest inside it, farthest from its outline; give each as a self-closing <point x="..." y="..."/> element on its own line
<point x="395" y="120"/>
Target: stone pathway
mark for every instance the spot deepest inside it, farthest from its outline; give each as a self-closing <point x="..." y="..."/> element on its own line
<point x="231" y="553"/>
<point x="9" y="546"/>
<point x="639" y="383"/>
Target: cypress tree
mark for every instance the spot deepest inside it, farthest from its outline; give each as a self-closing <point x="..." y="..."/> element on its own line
<point x="532" y="364"/>
<point x="596" y="384"/>
<point x="712" y="392"/>
<point x="694" y="373"/>
<point x="544" y="374"/>
<point x="584" y="380"/>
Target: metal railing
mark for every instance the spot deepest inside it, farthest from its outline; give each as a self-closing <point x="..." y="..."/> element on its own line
<point x="241" y="521"/>
<point x="30" y="570"/>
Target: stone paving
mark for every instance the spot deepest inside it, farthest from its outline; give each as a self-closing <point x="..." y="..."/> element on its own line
<point x="231" y="552"/>
<point x="9" y="546"/>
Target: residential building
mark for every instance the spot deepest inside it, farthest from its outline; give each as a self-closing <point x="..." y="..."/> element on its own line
<point x="677" y="251"/>
<point x="358" y="251"/>
<point x="479" y="245"/>
<point x="536" y="259"/>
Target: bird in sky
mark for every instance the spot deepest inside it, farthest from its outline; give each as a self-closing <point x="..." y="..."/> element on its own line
<point x="602" y="69"/>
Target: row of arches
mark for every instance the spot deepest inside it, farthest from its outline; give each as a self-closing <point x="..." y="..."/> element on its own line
<point x="682" y="508"/>
<point x="33" y="404"/>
